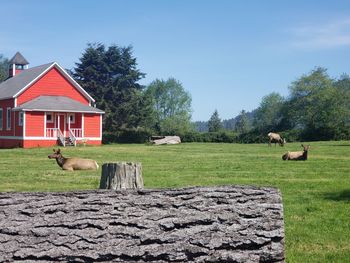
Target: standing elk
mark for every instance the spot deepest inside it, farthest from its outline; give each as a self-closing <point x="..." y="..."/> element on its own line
<point x="276" y="138"/>
<point x="71" y="164"/>
<point x="297" y="156"/>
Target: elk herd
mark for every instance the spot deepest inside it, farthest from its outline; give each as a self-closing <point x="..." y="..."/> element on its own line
<point x="74" y="163"/>
<point x="295" y="156"/>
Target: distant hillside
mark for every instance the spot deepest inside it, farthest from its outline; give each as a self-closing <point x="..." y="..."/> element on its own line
<point x="229" y="124"/>
<point x="201" y="126"/>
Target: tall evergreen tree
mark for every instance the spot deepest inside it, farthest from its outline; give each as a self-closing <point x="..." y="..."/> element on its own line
<point x="242" y="124"/>
<point x="214" y="123"/>
<point x="111" y="76"/>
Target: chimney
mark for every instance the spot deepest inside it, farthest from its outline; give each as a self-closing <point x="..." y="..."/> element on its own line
<point x="17" y="64"/>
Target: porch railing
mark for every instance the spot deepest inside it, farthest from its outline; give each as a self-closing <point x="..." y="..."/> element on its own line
<point x="78" y="133"/>
<point x="51" y="132"/>
<point x="73" y="134"/>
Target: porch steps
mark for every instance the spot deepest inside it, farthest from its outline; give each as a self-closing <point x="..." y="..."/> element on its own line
<point x="67" y="142"/>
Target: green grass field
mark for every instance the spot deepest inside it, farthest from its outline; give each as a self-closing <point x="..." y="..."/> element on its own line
<point x="316" y="193"/>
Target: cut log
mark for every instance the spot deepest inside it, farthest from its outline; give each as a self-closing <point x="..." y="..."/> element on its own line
<point x="121" y="175"/>
<point x="219" y="224"/>
<point x="166" y="140"/>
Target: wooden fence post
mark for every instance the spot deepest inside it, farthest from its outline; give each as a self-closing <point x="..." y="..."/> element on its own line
<point x="121" y="175"/>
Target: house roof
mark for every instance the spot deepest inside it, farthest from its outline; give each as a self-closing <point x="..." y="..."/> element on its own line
<point x="57" y="104"/>
<point x="14" y="86"/>
<point x="18" y="59"/>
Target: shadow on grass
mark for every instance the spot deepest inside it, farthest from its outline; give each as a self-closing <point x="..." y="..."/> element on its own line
<point x="338" y="196"/>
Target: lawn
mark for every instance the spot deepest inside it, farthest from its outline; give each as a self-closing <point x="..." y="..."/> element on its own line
<point x="316" y="193"/>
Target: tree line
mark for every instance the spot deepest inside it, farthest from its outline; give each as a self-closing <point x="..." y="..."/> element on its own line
<point x="317" y="107"/>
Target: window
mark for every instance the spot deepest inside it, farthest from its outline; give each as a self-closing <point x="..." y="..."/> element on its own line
<point x="72" y="118"/>
<point x="1" y="118"/>
<point x="20" y="118"/>
<point x="49" y="117"/>
<point x="8" y="119"/>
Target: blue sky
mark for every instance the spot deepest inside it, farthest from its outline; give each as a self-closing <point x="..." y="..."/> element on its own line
<point x="228" y="54"/>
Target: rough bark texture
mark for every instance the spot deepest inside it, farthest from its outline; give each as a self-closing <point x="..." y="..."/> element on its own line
<point x="159" y="140"/>
<point x="219" y="224"/>
<point x="121" y="175"/>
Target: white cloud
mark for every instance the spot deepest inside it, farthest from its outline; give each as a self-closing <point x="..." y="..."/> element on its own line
<point x="323" y="35"/>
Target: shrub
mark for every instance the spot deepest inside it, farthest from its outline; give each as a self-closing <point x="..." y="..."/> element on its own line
<point x="225" y="136"/>
<point x="292" y="135"/>
<point x="126" y="136"/>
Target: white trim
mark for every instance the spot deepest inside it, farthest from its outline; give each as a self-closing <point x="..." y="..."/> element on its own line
<point x="11" y="137"/>
<point x="73" y="119"/>
<point x="74" y="111"/>
<point x="15" y="102"/>
<point x="13" y="69"/>
<point x="101" y="127"/>
<point x="14" y="124"/>
<point x="24" y="124"/>
<point x="64" y="128"/>
<point x="54" y="64"/>
<point x="65" y="125"/>
<point x="45" y="124"/>
<point x="34" y="80"/>
<point x="19" y="118"/>
<point x="51" y="114"/>
<point x="74" y="82"/>
<point x="82" y="125"/>
<point x="7" y="119"/>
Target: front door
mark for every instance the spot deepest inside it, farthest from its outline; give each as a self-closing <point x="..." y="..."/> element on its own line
<point x="61" y="123"/>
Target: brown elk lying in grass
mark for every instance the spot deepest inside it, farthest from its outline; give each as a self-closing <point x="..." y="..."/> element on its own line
<point x="297" y="156"/>
<point x="276" y="138"/>
<point x="71" y="164"/>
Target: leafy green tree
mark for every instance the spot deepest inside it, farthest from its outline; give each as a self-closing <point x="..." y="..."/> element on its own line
<point x="171" y="107"/>
<point x="111" y="76"/>
<point x="342" y="119"/>
<point x="318" y="104"/>
<point x="4" y="67"/>
<point x="242" y="124"/>
<point x="269" y="115"/>
<point x="214" y="123"/>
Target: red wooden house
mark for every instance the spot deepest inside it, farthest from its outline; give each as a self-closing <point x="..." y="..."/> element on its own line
<point x="43" y="106"/>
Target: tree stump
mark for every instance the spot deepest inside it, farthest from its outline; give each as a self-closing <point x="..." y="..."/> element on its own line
<point x="200" y="224"/>
<point x="122" y="175"/>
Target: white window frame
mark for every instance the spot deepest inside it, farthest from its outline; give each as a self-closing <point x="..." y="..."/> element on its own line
<point x="73" y="118"/>
<point x="49" y="114"/>
<point x="8" y="119"/>
<point x="20" y="118"/>
<point x="1" y="118"/>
